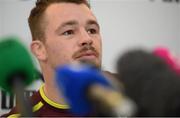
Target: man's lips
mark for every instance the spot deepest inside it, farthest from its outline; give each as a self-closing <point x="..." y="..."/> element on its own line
<point x="87" y="55"/>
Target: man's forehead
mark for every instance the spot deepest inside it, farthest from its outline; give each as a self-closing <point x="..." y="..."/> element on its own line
<point x="65" y="10"/>
<point x="65" y="13"/>
<point x="64" y="7"/>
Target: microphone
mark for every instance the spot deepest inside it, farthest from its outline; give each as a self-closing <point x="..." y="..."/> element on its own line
<point x="150" y="82"/>
<point x="16" y="71"/>
<point x="88" y="92"/>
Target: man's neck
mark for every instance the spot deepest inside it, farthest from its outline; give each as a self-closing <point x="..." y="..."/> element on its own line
<point x="53" y="93"/>
<point x="51" y="89"/>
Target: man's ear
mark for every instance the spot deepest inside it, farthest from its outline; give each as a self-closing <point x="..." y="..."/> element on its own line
<point x="39" y="50"/>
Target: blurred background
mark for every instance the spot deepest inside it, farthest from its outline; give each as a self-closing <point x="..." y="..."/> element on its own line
<point x="125" y="24"/>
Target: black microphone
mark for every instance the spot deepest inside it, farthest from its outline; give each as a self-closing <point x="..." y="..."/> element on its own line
<point x="150" y="82"/>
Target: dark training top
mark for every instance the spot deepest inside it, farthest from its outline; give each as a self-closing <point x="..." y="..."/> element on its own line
<point x="43" y="107"/>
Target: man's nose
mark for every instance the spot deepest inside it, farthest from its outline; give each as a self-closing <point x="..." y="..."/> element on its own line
<point x="85" y="38"/>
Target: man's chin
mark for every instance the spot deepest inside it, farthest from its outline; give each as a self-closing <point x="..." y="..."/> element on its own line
<point x="89" y="62"/>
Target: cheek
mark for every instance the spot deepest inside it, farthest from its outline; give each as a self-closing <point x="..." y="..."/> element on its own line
<point x="58" y="56"/>
<point x="60" y="52"/>
<point x="98" y="44"/>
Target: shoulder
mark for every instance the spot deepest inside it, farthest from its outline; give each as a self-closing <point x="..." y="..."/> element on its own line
<point x="14" y="111"/>
<point x="114" y="79"/>
<point x="109" y="74"/>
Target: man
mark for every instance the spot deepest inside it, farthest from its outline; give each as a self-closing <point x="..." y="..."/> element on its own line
<point x="63" y="32"/>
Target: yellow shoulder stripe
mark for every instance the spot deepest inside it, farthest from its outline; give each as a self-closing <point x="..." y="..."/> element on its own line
<point x="37" y="106"/>
<point x="14" y="116"/>
<point x="50" y="102"/>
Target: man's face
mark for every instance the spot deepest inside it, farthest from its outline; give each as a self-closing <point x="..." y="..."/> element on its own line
<point x="72" y="35"/>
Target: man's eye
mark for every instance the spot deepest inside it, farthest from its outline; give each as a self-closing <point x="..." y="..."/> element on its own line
<point x="69" y="32"/>
<point x="92" y="31"/>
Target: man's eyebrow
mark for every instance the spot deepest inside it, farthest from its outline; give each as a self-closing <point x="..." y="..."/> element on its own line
<point x="69" y="23"/>
<point x="93" y="22"/>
